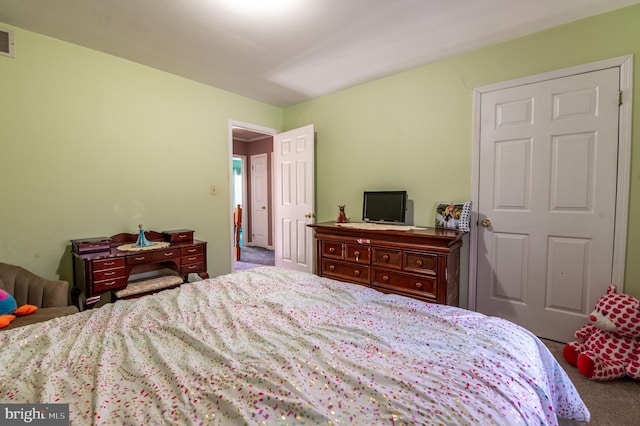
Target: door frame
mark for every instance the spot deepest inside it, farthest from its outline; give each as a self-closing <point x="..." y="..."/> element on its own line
<point x="256" y="128"/>
<point x="243" y="161"/>
<point x="625" y="63"/>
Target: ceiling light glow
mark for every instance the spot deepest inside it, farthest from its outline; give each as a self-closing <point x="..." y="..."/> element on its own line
<point x="259" y="7"/>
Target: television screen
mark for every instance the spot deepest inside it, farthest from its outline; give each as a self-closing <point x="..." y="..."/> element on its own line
<point x="384" y="206"/>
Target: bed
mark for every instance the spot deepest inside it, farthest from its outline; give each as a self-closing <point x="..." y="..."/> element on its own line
<point x="273" y="346"/>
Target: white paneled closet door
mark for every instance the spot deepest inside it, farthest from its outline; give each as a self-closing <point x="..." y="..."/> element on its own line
<point x="547" y="200"/>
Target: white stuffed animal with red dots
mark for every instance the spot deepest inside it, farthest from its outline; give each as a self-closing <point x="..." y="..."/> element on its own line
<point x="609" y="347"/>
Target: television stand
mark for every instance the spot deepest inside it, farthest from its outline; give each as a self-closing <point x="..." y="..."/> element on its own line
<point x="423" y="263"/>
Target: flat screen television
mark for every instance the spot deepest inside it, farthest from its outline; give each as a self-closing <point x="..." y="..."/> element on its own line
<point x="384" y="206"/>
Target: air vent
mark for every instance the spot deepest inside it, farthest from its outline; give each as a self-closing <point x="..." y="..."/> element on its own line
<point x="6" y="42"/>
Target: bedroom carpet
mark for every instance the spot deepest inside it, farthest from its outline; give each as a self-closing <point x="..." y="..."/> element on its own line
<point x="613" y="403"/>
<point x="252" y="257"/>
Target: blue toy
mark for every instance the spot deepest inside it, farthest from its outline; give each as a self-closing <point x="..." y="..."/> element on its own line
<point x="9" y="308"/>
<point x="7" y="303"/>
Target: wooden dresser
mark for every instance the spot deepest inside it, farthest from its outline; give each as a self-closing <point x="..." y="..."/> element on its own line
<point x="423" y="264"/>
<point x="99" y="267"/>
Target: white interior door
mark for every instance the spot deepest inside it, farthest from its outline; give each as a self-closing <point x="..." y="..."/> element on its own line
<point x="547" y="184"/>
<point x="259" y="201"/>
<point x="294" y="198"/>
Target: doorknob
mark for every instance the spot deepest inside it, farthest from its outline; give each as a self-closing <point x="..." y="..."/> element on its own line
<point x="309" y="215"/>
<point x="485" y="222"/>
<point x="263" y="207"/>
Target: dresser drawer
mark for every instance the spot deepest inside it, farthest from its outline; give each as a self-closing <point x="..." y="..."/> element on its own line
<point x="346" y="271"/>
<point x="108" y="285"/>
<point x="197" y="258"/>
<point x="358" y="253"/>
<point x="110" y="263"/>
<point x="421" y="263"/>
<point x="332" y="250"/>
<point x="190" y="251"/>
<point x="108" y="274"/>
<point x="192" y="268"/>
<point x="155" y="256"/>
<point x="388" y="258"/>
<point x="425" y="286"/>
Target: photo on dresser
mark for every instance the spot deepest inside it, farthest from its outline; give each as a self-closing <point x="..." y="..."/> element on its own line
<point x="453" y="215"/>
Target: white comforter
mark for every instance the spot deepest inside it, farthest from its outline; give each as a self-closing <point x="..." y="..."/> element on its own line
<point x="282" y="347"/>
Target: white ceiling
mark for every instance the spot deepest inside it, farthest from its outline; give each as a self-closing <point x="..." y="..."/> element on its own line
<point x="286" y="55"/>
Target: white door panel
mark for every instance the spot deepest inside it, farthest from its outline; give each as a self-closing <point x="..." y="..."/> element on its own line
<point x="294" y="162"/>
<point x="547" y="183"/>
<point x="259" y="201"/>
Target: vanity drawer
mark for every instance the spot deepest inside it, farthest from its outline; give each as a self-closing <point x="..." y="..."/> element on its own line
<point x="192" y="268"/>
<point x="108" y="285"/>
<point x="108" y="274"/>
<point x="190" y="251"/>
<point x="156" y="256"/>
<point x="186" y="260"/>
<point x="108" y="263"/>
<point x="178" y="236"/>
<point x="91" y="245"/>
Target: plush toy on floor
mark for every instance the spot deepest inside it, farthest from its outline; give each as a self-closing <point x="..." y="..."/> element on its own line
<point x="609" y="347"/>
<point x="9" y="309"/>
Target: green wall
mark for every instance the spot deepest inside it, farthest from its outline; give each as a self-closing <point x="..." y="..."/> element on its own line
<point x="413" y="130"/>
<point x="93" y="145"/>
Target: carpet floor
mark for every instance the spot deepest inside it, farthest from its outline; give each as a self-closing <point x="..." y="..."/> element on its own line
<point x="613" y="403"/>
<point x="252" y="257"/>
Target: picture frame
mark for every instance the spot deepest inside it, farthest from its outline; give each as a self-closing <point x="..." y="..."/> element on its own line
<point x="453" y="215"/>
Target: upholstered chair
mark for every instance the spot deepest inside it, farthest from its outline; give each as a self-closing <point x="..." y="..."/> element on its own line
<point x="50" y="296"/>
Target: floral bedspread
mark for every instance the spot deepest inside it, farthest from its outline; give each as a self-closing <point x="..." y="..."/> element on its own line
<point x="271" y="346"/>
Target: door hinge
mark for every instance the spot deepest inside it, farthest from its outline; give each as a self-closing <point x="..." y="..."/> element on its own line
<point x="619" y="97"/>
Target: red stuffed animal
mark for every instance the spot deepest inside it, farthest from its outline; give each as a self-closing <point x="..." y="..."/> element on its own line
<point x="609" y="347"/>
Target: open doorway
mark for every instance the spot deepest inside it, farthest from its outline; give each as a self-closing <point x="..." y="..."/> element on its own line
<point x="251" y="189"/>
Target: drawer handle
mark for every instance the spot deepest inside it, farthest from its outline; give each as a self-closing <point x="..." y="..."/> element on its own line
<point x="191" y="250"/>
<point x="332" y="267"/>
<point x="191" y="259"/>
<point x="418" y="285"/>
<point x="110" y="284"/>
<point x="356" y="272"/>
<point x="192" y="267"/>
<point x="109" y="263"/>
<point x="169" y="254"/>
<point x="94" y="245"/>
<point x="332" y="249"/>
<point x="108" y="274"/>
<point x="419" y="262"/>
<point x="385" y="278"/>
<point x="357" y="254"/>
<point x="386" y="257"/>
<point x="140" y="258"/>
<point x="182" y="236"/>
